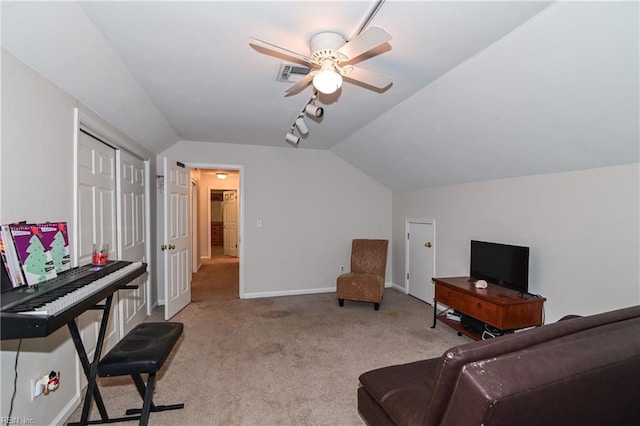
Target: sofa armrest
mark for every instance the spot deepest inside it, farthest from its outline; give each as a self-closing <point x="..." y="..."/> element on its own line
<point x="594" y="380"/>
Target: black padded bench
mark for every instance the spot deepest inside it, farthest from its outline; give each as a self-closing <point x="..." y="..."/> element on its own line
<point x="143" y="350"/>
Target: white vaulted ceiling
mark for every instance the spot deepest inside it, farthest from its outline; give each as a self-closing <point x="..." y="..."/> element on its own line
<point x="481" y="90"/>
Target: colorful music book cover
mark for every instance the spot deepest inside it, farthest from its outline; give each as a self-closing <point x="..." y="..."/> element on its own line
<point x="6" y="268"/>
<point x="36" y="261"/>
<point x="55" y="239"/>
<point x="14" y="269"/>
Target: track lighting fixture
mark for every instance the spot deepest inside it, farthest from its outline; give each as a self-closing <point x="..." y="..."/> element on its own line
<point x="314" y="110"/>
<point x="301" y="125"/>
<point x="291" y="138"/>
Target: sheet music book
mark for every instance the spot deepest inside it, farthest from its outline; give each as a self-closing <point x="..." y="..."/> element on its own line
<point x="10" y="259"/>
<point x="37" y="263"/>
<point x="55" y="239"/>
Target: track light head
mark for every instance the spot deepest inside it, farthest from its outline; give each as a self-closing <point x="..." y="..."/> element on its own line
<point x="302" y="126"/>
<point x="314" y="111"/>
<point x="292" y="139"/>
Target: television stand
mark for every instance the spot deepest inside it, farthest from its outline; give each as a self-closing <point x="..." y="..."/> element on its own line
<point x="497" y="306"/>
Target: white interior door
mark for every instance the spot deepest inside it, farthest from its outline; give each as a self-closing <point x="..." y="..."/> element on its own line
<point x="133" y="242"/>
<point x="230" y="220"/>
<point x="177" y="268"/>
<point x="420" y="258"/>
<point x="96" y="224"/>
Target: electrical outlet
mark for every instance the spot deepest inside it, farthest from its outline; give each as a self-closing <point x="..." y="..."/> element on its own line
<point x="341" y="268"/>
<point x="35" y="388"/>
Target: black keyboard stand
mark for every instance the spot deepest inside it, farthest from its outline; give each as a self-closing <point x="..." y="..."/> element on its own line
<point x="91" y="368"/>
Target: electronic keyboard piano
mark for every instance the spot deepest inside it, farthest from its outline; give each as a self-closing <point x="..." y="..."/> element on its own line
<point x="39" y="310"/>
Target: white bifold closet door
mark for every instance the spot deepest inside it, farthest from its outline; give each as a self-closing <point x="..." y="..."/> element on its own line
<point x="97" y="206"/>
<point x="131" y="181"/>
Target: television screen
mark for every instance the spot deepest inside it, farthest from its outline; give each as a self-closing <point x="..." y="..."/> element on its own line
<point x="501" y="264"/>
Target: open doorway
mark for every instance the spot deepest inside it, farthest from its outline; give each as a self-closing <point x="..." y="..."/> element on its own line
<point x="218" y="224"/>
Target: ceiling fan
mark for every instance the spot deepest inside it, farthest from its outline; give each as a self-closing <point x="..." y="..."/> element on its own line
<point x="332" y="58"/>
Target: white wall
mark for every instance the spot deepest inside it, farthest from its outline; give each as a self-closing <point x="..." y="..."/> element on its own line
<point x="37" y="185"/>
<point x="311" y="204"/>
<point x="36" y="177"/>
<point x="582" y="229"/>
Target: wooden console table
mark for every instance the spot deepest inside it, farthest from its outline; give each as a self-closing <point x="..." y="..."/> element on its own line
<point x="497" y="306"/>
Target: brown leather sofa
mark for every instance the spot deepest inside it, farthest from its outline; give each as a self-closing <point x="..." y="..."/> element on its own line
<point x="579" y="371"/>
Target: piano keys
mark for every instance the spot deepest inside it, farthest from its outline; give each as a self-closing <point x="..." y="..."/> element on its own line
<point x="37" y="311"/>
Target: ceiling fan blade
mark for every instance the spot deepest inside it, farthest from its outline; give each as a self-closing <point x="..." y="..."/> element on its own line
<point x="300" y="84"/>
<point x="370" y="39"/>
<point x="270" y="46"/>
<point x="370" y="78"/>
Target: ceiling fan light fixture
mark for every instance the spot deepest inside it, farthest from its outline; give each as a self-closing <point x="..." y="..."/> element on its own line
<point x="327" y="80"/>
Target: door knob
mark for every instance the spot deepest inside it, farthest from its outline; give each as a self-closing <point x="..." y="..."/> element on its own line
<point x="171" y="247"/>
<point x="163" y="247"/>
<point x="427" y="244"/>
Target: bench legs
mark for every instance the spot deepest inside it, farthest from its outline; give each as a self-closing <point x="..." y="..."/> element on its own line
<point x="142" y="414"/>
<point x="146" y="392"/>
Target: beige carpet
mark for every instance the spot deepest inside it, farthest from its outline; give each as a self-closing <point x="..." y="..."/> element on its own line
<point x="278" y="361"/>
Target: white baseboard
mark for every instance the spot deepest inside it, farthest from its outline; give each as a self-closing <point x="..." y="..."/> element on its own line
<point x="65" y="414"/>
<point x="298" y="292"/>
<point x="397" y="287"/>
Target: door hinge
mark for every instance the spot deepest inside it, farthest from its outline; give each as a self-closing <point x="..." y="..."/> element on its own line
<point x="407" y="275"/>
<point x="407" y="235"/>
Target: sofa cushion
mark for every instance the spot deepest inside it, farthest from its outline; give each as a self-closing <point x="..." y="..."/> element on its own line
<point x="403" y="391"/>
<point x="371" y="411"/>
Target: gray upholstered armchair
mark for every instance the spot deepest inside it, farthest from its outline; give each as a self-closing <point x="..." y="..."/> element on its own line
<point x="365" y="281"/>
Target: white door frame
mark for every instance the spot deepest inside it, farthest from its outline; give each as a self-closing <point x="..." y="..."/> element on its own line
<point x="407" y="256"/>
<point x="240" y="219"/>
<point x="151" y="273"/>
<point x="195" y="258"/>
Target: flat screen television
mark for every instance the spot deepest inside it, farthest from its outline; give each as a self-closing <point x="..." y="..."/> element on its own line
<point x="502" y="264"/>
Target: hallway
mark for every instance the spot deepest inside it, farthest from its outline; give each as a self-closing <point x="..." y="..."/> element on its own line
<point x="217" y="279"/>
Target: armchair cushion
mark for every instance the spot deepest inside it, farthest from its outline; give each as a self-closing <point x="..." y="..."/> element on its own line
<point x="361" y="287"/>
